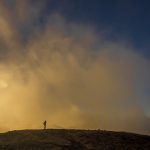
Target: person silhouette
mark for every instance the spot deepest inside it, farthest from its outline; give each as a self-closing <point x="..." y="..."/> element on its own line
<point x="44" y="123"/>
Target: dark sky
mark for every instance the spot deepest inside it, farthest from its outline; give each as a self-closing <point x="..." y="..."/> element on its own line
<point x="121" y="19"/>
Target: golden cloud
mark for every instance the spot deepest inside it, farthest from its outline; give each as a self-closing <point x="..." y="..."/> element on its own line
<point x="69" y="75"/>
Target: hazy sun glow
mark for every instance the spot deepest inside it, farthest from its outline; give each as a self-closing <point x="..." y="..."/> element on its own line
<point x="3" y="84"/>
<point x="67" y="74"/>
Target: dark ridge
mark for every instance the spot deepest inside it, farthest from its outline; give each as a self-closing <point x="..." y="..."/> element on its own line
<point x="62" y="139"/>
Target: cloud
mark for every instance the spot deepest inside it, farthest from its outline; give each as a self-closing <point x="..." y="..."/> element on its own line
<point x="69" y="75"/>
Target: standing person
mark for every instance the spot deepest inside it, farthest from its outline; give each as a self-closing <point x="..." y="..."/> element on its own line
<point x="44" y="123"/>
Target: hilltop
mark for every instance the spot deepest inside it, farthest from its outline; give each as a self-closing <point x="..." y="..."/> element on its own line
<point x="61" y="139"/>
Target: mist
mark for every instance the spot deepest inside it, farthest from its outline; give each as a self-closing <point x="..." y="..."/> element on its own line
<point x="68" y="74"/>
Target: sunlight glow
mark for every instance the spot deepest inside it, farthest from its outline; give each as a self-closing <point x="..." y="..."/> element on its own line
<point x="3" y="84"/>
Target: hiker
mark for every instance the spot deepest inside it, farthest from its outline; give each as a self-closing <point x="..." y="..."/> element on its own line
<point x="44" y="123"/>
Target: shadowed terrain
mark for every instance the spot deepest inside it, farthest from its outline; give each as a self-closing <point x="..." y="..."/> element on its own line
<point x="61" y="139"/>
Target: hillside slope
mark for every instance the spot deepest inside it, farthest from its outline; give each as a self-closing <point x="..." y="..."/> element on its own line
<point x="61" y="139"/>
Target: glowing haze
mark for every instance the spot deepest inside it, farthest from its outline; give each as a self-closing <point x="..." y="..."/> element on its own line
<point x="68" y="74"/>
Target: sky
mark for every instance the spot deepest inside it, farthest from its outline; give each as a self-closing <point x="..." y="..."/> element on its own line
<point x="77" y="64"/>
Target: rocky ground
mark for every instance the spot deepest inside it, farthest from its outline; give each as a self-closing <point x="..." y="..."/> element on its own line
<point x="61" y="139"/>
